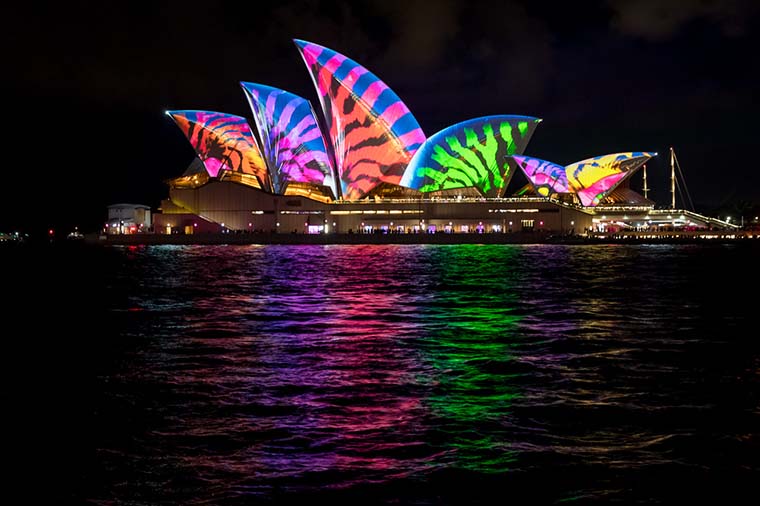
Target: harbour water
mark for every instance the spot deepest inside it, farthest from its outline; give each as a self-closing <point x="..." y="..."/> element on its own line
<point x="362" y="374"/>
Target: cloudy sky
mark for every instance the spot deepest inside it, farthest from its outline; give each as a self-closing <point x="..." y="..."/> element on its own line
<point x="88" y="83"/>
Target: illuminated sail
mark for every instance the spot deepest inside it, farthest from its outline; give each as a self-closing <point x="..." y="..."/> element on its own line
<point x="291" y="139"/>
<point x="591" y="179"/>
<point x="470" y="154"/>
<point x="223" y="142"/>
<point x="372" y="132"/>
<point x="545" y="177"/>
<point x="594" y="178"/>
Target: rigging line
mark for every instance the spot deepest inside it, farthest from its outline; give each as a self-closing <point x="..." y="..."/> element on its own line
<point x="683" y="179"/>
<point x="686" y="188"/>
<point x="680" y="192"/>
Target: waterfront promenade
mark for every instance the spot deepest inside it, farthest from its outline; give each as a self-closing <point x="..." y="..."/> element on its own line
<point x="440" y="238"/>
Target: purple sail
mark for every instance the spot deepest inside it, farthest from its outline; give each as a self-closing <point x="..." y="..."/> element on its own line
<point x="292" y="142"/>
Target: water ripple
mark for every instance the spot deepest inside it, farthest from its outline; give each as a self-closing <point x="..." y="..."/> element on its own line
<point x="387" y="373"/>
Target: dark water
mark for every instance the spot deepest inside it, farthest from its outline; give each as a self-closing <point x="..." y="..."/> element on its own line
<point x="383" y="374"/>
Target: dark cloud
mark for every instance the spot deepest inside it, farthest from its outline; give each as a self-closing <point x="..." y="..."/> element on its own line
<point x="606" y="75"/>
<point x="332" y="24"/>
<point x="420" y="31"/>
<point x="483" y="58"/>
<point x="516" y="49"/>
<point x="660" y="19"/>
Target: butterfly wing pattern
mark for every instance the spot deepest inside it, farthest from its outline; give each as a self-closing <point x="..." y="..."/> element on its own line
<point x="470" y="154"/>
<point x="591" y="179"/>
<point x="373" y="134"/>
<point x="594" y="178"/>
<point x="545" y="177"/>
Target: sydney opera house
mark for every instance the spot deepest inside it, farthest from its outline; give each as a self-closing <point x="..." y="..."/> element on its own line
<point x="369" y="167"/>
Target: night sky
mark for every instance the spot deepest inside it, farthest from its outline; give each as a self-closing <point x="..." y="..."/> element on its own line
<point x="89" y="83"/>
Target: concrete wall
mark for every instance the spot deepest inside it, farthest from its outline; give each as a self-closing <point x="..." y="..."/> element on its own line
<point x="243" y="208"/>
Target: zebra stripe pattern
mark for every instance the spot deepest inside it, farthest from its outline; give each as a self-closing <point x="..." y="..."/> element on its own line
<point x="374" y="135"/>
<point x="470" y="154"/>
<point x="223" y="142"/>
<point x="291" y="139"/>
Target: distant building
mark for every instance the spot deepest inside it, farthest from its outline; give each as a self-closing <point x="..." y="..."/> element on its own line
<point x="128" y="219"/>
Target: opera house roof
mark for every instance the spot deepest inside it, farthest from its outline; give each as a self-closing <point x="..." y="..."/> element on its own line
<point x="373" y="141"/>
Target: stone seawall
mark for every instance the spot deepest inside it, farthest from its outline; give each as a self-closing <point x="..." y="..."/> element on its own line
<point x="440" y="238"/>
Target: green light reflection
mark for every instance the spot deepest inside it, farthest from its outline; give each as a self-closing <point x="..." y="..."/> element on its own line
<point x="470" y="359"/>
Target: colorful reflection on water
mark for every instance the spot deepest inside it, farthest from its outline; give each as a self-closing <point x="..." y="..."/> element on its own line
<point x="236" y="374"/>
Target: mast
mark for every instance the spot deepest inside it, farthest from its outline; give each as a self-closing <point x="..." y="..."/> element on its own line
<point x="672" y="178"/>
<point x="646" y="188"/>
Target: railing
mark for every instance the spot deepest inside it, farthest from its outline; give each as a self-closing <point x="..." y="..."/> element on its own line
<point x="674" y="234"/>
<point x="693" y="216"/>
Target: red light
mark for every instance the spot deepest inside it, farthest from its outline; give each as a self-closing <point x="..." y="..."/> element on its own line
<point x="51" y="232"/>
<point x="541" y="223"/>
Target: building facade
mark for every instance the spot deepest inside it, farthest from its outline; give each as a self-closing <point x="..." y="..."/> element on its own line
<point x="373" y="170"/>
<point x="128" y="219"/>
